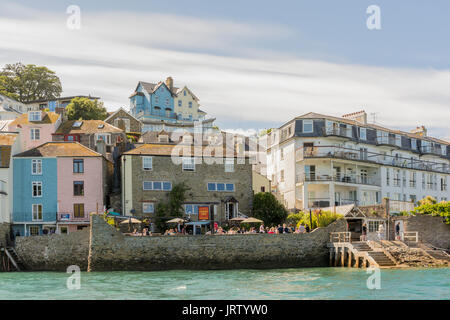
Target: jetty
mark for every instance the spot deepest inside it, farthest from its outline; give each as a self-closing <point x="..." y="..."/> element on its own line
<point x="9" y="260"/>
<point x="345" y="252"/>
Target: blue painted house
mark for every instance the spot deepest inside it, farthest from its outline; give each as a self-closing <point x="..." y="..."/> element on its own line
<point x="35" y="194"/>
<point x="152" y="101"/>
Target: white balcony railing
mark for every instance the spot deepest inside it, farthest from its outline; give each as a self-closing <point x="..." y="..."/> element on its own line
<point x="372" y="157"/>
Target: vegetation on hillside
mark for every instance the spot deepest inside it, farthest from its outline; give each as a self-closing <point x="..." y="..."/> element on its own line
<point x="85" y="109"/>
<point x="29" y="82"/>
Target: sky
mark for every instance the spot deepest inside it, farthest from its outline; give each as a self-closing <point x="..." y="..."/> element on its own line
<point x="253" y="64"/>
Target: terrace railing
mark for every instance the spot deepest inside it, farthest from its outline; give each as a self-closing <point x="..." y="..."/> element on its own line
<point x="70" y="217"/>
<point x="366" y="156"/>
<point x="343" y="178"/>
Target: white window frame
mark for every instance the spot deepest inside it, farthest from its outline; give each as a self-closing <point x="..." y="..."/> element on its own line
<point x="150" y="159"/>
<point x="152" y="183"/>
<point x="35" y="116"/>
<point x="225" y="186"/>
<point x="35" y="132"/>
<point x="107" y="135"/>
<point x="150" y="207"/>
<point x="188" y="164"/>
<point x="413" y="144"/>
<point x="36" y="205"/>
<point x="229" y="164"/>
<point x="309" y="122"/>
<point x="361" y="135"/>
<point x="38" y="163"/>
<point x="37" y="183"/>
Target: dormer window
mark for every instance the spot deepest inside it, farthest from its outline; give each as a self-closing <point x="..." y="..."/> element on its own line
<point x="163" y="138"/>
<point x="34" y="116"/>
<point x="187" y="138"/>
<point x="363" y="133"/>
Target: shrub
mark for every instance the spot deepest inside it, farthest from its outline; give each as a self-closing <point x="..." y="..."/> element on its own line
<point x="320" y="219"/>
<point x="294" y="218"/>
<point x="441" y="209"/>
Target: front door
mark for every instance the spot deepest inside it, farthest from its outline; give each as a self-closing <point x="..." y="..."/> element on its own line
<point x="399" y="236"/>
<point x="230" y="209"/>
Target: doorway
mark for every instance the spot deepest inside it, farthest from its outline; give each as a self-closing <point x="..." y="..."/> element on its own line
<point x="401" y="230"/>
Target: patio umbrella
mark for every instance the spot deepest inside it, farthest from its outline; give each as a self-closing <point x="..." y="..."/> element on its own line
<point x="252" y="220"/>
<point x="133" y="220"/>
<point x="175" y="220"/>
<point x="237" y="219"/>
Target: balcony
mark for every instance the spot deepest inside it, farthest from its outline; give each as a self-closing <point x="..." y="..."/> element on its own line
<point x="433" y="150"/>
<point x="351" y="179"/>
<point x="388" y="141"/>
<point x="338" y="132"/>
<point x="333" y="152"/>
<point x="325" y="202"/>
<point x="69" y="217"/>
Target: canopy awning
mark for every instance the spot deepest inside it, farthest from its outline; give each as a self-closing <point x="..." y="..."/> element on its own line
<point x="197" y="223"/>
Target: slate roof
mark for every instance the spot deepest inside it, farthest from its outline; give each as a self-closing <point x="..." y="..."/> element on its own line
<point x="60" y="149"/>
<point x="313" y="115"/>
<point x="87" y="127"/>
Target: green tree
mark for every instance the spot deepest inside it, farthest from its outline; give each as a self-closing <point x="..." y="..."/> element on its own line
<point x="29" y="82"/>
<point x="267" y="208"/>
<point x="176" y="198"/>
<point x="86" y="109"/>
<point x="173" y="208"/>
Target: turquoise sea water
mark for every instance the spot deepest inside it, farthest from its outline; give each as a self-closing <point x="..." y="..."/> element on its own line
<point x="314" y="283"/>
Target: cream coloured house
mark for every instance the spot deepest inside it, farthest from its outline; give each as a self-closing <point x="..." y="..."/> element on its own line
<point x="322" y="161"/>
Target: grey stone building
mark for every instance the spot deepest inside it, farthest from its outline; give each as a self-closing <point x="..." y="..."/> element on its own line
<point x="122" y="119"/>
<point x="149" y="173"/>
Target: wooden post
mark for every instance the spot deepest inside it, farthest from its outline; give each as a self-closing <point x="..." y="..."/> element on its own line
<point x="331" y="256"/>
<point x="343" y="257"/>
<point x="349" y="259"/>
<point x="336" y="256"/>
<point x="356" y="261"/>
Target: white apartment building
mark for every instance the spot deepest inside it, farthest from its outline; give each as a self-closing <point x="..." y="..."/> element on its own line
<point x="322" y="161"/>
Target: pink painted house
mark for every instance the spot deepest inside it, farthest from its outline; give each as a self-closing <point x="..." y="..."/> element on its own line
<point x="83" y="185"/>
<point x="72" y="181"/>
<point x="35" y="128"/>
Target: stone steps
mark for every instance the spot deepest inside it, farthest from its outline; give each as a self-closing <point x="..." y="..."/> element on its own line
<point x="361" y="246"/>
<point x="438" y="254"/>
<point x="381" y="258"/>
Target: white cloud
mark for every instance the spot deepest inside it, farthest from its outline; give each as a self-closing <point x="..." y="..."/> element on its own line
<point x="113" y="51"/>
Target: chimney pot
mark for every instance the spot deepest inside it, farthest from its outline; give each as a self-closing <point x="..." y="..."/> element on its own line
<point x="169" y="82"/>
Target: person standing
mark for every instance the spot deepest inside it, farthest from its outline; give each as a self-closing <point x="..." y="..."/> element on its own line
<point x="397" y="231"/>
<point x="381" y="231"/>
<point x="364" y="232"/>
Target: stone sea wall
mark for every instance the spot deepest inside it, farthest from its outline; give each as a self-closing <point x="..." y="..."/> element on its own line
<point x="4" y="234"/>
<point x="54" y="252"/>
<point x="431" y="229"/>
<point x="111" y="250"/>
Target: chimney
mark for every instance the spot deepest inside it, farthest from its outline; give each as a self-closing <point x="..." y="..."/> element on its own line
<point x="169" y="82"/>
<point x="421" y="131"/>
<point x="360" y="116"/>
